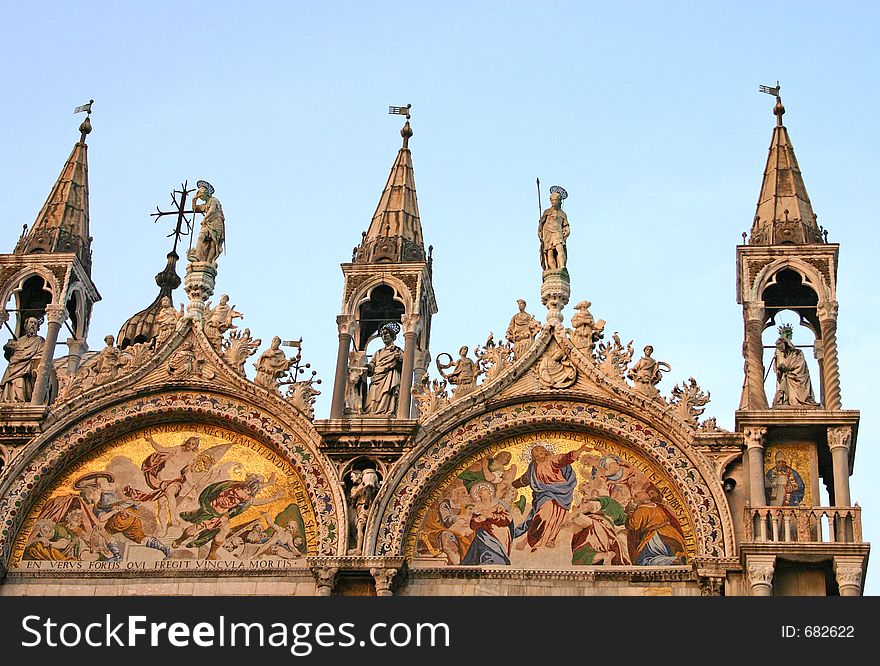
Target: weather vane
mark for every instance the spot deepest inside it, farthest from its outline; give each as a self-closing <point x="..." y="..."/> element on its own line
<point x="178" y="198"/>
<point x="400" y="110"/>
<point x="87" y="108"/>
<point x="770" y="90"/>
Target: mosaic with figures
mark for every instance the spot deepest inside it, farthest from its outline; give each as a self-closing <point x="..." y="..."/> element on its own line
<point x="554" y="500"/>
<point x="186" y="497"/>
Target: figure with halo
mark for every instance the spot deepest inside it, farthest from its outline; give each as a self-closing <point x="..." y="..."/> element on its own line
<point x="212" y="234"/>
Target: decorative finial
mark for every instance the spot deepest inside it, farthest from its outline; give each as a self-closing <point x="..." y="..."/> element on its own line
<point x="778" y="110"/>
<point x="406" y="132"/>
<point x="86" y="125"/>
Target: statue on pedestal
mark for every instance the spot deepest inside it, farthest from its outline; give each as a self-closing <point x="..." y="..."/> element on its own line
<point x="793" y="386"/>
<point x="646" y="373"/>
<point x="272" y="364"/>
<point x="553" y="230"/>
<point x="212" y="234"/>
<point x="522" y="329"/>
<point x="385" y="370"/>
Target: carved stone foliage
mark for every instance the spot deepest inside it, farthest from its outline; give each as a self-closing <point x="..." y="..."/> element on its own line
<point x="689" y="401"/>
<point x="238" y="347"/>
<point x="430" y="396"/>
<point x="712" y="523"/>
<point x="612" y="358"/>
<point x="48" y="459"/>
<point x="302" y="395"/>
<point x="108" y="365"/>
<point x="494" y="357"/>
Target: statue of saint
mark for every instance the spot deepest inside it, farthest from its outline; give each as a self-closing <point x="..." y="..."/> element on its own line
<point x="521" y="330"/>
<point x="553" y="230"/>
<point x="646" y="373"/>
<point x="24" y="356"/>
<point x="464" y="376"/>
<point x="212" y="234"/>
<point x="167" y="320"/>
<point x="793" y="387"/>
<point x="272" y="364"/>
<point x="587" y="331"/>
<point x="219" y="320"/>
<point x="385" y="368"/>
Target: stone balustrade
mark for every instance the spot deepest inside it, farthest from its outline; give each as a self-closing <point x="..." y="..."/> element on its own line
<point x="798" y="524"/>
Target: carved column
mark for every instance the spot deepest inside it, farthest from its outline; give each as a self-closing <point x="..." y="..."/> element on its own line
<point x="848" y="571"/>
<point x="754" y="396"/>
<point x="755" y="448"/>
<point x="420" y="367"/>
<point x="410" y="330"/>
<point x="384" y="580"/>
<point x="56" y="315"/>
<point x="839" y="440"/>
<point x="325" y="579"/>
<point x="827" y="313"/>
<point x="340" y="383"/>
<point x="760" y="570"/>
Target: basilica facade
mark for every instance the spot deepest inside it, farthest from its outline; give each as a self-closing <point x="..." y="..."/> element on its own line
<point x="544" y="462"/>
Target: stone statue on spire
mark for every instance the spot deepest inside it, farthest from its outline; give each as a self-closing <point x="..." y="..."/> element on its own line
<point x="212" y="235"/>
<point x="553" y="230"/>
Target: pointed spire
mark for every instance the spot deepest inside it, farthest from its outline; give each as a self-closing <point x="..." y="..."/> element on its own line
<point x="784" y="214"/>
<point x="62" y="224"/>
<point x="140" y="327"/>
<point x="395" y="233"/>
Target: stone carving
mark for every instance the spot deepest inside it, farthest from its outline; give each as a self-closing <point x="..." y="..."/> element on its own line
<point x="430" y="396"/>
<point x="646" y="373"/>
<point x="384" y="580"/>
<point x="185" y="363"/>
<point x="464" y="375"/>
<point x="848" y="576"/>
<point x="355" y="382"/>
<point x="495" y="358"/>
<point x="612" y="358"/>
<point x="219" y="320"/>
<point x="384" y="369"/>
<point x="325" y="579"/>
<point x="302" y="395"/>
<point x="793" y="387"/>
<point x="364" y="488"/>
<point x="168" y="320"/>
<point x="689" y="400"/>
<point x="238" y="347"/>
<point x="24" y="355"/>
<point x="522" y="329"/>
<point x="553" y="230"/>
<point x="710" y="425"/>
<point x="212" y="234"/>
<point x="106" y="366"/>
<point x="711" y="586"/>
<point x="272" y="365"/>
<point x="587" y="331"/>
<point x="555" y="370"/>
<point x="761" y="574"/>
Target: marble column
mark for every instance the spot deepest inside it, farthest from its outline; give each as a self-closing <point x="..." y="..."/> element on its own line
<point x="760" y="569"/>
<point x="848" y="572"/>
<point x="340" y="383"/>
<point x="384" y="580"/>
<point x="827" y="313"/>
<point x="755" y="446"/>
<point x="76" y="347"/>
<point x="56" y="315"/>
<point x="839" y="439"/>
<point x="754" y="396"/>
<point x="410" y="330"/>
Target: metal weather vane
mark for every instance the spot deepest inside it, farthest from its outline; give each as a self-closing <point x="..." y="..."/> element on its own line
<point x="400" y="110"/>
<point x="178" y="198"/>
<point x="770" y="90"/>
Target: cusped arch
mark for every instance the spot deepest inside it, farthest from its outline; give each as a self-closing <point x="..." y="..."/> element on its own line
<point x="49" y="456"/>
<point x="420" y="473"/>
<point x="15" y="282"/>
<point x="810" y="274"/>
<point x="362" y="294"/>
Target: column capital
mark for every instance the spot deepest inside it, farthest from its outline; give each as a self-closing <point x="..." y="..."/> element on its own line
<point x="384" y="580"/>
<point x="56" y="314"/>
<point x="754" y="311"/>
<point x="755" y="437"/>
<point x="760" y="569"/>
<point x="849" y="571"/>
<point x="839" y="437"/>
<point x="412" y="324"/>
<point x="344" y="324"/>
<point x="827" y="310"/>
<point x="325" y="579"/>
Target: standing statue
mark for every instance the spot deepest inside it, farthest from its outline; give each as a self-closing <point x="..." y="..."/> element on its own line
<point x="553" y="230"/>
<point x="522" y="329"/>
<point x="464" y="376"/>
<point x="793" y="387"/>
<point x="219" y="320"/>
<point x="587" y="331"/>
<point x="385" y="368"/>
<point x="24" y="356"/>
<point x="365" y="487"/>
<point x="646" y="373"/>
<point x="212" y="234"/>
<point x="272" y="364"/>
<point x="167" y="320"/>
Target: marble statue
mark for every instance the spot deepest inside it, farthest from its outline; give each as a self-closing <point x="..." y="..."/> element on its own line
<point x="24" y="356"/>
<point x="365" y="487"/>
<point x="464" y="374"/>
<point x="272" y="364"/>
<point x="646" y="373"/>
<point x="167" y="320"/>
<point x="384" y="370"/>
<point x="587" y="331"/>
<point x="553" y="230"/>
<point x="793" y="387"/>
<point x="212" y="234"/>
<point x="522" y="329"/>
<point x="219" y="320"/>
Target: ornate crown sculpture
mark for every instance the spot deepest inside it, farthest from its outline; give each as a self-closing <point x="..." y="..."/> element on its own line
<point x="785" y="331"/>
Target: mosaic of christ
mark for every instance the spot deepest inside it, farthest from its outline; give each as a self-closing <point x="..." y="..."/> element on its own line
<point x="173" y="492"/>
<point x="555" y="500"/>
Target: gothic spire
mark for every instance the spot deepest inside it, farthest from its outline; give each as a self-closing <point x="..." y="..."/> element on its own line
<point x="395" y="233"/>
<point x="62" y="224"/>
<point x="784" y="214"/>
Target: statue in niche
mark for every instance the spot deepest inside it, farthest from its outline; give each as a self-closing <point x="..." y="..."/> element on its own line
<point x="24" y="356"/>
<point x="522" y="329"/>
<point x="365" y="487"/>
<point x="384" y="370"/>
<point x="212" y="234"/>
<point x="464" y="376"/>
<point x="587" y="331"/>
<point x="646" y="373"/>
<point x="272" y="364"/>
<point x="793" y="387"/>
<point x="553" y="230"/>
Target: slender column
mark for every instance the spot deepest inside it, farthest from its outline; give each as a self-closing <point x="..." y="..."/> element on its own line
<point x="56" y="314"/>
<point x="839" y="440"/>
<point x="76" y="348"/>
<point x="848" y="571"/>
<point x="754" y="396"/>
<point x="755" y="444"/>
<point x="384" y="580"/>
<point x="827" y="313"/>
<point x="760" y="570"/>
<point x="340" y="383"/>
<point x="410" y="324"/>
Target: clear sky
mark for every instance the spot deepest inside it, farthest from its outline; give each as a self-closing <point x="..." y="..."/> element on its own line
<point x="647" y="113"/>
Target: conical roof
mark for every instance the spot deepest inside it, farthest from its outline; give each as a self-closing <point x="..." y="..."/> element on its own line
<point x="140" y="327"/>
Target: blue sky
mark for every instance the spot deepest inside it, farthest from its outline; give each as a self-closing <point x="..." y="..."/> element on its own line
<point x="647" y="113"/>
